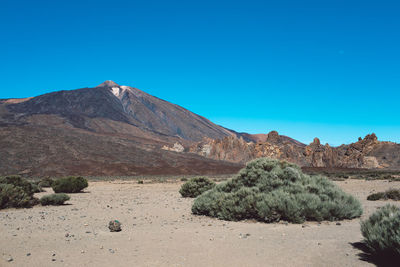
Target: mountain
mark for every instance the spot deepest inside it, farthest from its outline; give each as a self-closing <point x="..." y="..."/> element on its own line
<point x="122" y="104"/>
<point x="105" y="130"/>
<point x="120" y="130"/>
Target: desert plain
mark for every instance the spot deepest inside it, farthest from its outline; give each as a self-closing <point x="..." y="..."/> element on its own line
<point x="158" y="229"/>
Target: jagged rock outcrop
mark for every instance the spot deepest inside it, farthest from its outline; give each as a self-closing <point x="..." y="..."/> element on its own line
<point x="365" y="153"/>
<point x="177" y="148"/>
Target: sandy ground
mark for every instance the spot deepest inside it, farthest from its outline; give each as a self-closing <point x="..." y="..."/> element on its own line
<point x="159" y="230"/>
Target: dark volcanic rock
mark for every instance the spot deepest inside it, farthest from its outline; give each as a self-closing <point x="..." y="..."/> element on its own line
<point x="114" y="226"/>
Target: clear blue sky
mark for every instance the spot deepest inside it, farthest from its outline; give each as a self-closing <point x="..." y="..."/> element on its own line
<point x="304" y="68"/>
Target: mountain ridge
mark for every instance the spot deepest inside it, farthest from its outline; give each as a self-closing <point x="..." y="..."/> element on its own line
<point x="120" y="130"/>
<point x="133" y="106"/>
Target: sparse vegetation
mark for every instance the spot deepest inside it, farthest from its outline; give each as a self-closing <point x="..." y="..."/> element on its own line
<point x="36" y="187"/>
<point x="16" y="192"/>
<point x="46" y="182"/>
<point x="196" y="186"/>
<point x="140" y="182"/>
<point x="69" y="184"/>
<point x="381" y="232"/>
<point x="270" y="190"/>
<point x="393" y="194"/>
<point x="341" y="174"/>
<point x="54" y="199"/>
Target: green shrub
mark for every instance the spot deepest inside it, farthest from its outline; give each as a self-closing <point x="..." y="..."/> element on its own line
<point x="196" y="186"/>
<point x="36" y="188"/>
<point x="69" y="185"/>
<point x="381" y="232"/>
<point x="140" y="182"/>
<point x="393" y="194"/>
<point x="17" y="180"/>
<point x="184" y="179"/>
<point x="46" y="182"/>
<point x="54" y="199"/>
<point x="270" y="190"/>
<point x="16" y="192"/>
<point x="376" y="196"/>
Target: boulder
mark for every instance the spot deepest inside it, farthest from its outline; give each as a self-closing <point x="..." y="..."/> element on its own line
<point x="114" y="226"/>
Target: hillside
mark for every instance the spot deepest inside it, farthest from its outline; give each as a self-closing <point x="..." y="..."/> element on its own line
<point x="120" y="130"/>
<point x="105" y="130"/>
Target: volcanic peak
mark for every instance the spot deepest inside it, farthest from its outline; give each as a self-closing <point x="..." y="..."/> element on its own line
<point x="108" y="83"/>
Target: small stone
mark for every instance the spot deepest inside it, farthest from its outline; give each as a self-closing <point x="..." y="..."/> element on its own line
<point x="53" y="254"/>
<point x="82" y="251"/>
<point x="86" y="224"/>
<point x="114" y="226"/>
<point x="10" y="259"/>
<point x="53" y="259"/>
<point x="101" y="247"/>
<point x="67" y="235"/>
<point x="319" y="244"/>
<point x="111" y="250"/>
<point x="28" y="254"/>
<point x="338" y="223"/>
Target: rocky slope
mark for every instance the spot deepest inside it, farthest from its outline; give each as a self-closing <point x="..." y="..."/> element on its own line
<point x="105" y="130"/>
<point x="120" y="130"/>
<point x="122" y="104"/>
<point x="365" y="153"/>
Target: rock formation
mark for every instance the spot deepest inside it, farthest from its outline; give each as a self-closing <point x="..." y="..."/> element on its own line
<point x="365" y="153"/>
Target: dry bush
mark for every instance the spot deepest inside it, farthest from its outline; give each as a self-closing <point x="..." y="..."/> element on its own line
<point x="393" y="194"/>
<point x="16" y="192"/>
<point x="196" y="186"/>
<point x="270" y="190"/>
<point x="69" y="184"/>
<point x="54" y="199"/>
<point x="381" y="232"/>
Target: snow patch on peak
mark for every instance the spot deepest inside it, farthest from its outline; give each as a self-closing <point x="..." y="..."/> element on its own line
<point x="119" y="91"/>
<point x="116" y="91"/>
<point x="126" y="87"/>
